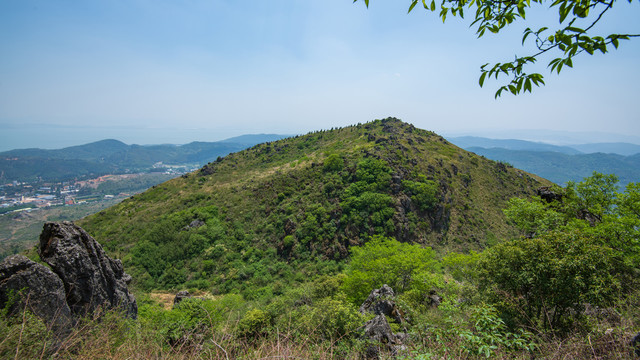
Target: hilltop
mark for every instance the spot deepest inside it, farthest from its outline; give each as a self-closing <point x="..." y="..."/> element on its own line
<point x="291" y="209"/>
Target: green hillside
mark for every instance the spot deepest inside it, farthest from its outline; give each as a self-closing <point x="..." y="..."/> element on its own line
<point x="287" y="210"/>
<point x="112" y="156"/>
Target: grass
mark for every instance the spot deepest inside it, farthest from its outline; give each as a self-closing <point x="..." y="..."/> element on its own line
<point x="107" y="336"/>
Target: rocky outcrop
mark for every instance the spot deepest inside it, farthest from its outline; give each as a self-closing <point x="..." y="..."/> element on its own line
<point x="380" y="302"/>
<point x="635" y="345"/>
<point x="584" y="214"/>
<point x="181" y="295"/>
<point x="377" y="330"/>
<point x="82" y="278"/>
<point x="547" y="194"/>
<point x="27" y="284"/>
<point x="194" y="225"/>
<point x="91" y="279"/>
<point x="433" y="299"/>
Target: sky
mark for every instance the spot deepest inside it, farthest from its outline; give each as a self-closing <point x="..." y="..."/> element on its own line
<point x="159" y="71"/>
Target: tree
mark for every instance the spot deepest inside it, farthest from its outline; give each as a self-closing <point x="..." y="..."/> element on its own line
<point x="575" y="35"/>
<point x="582" y="246"/>
<point x="387" y="261"/>
<point x="545" y="282"/>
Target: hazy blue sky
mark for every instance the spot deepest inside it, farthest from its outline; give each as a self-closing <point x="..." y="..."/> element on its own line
<point x="154" y="71"/>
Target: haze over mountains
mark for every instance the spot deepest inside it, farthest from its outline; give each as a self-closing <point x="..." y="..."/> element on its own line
<point x="113" y="156"/>
<point x="558" y="163"/>
<point x="620" y="148"/>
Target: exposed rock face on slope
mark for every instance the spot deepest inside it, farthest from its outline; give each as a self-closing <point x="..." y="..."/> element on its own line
<point x="91" y="278"/>
<point x="42" y="291"/>
<point x="82" y="278"/>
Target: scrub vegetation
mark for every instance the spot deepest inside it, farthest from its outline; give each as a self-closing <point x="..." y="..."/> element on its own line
<point x="282" y="243"/>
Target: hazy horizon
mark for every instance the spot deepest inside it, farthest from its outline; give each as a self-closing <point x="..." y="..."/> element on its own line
<point x="40" y="136"/>
<point x="175" y="72"/>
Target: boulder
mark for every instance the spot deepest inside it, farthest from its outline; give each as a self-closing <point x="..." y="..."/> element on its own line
<point x="181" y="295"/>
<point x="25" y="283"/>
<point x="194" y="225"/>
<point x="378" y="331"/>
<point x="547" y="194"/>
<point x="433" y="299"/>
<point x="380" y="302"/>
<point x="635" y="344"/>
<point x="91" y="279"/>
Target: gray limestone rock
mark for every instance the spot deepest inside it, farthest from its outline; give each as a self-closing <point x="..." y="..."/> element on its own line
<point x="25" y="283"/>
<point x="380" y="302"/>
<point x="91" y="279"/>
<point x="378" y="329"/>
<point x="635" y="344"/>
<point x="181" y="295"/>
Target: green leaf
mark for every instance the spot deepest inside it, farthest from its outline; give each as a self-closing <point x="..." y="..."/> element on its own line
<point x="521" y="9"/>
<point x="413" y="4"/>
<point x="563" y="11"/>
<point x="614" y="42"/>
<point x="482" y="77"/>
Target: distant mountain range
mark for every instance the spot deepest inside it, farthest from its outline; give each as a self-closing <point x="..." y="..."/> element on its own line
<point x="619" y="148"/>
<point x="113" y="156"/>
<point x="560" y="164"/>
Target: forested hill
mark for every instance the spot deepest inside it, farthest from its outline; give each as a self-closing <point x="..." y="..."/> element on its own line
<point x="281" y="211"/>
<point x="113" y="156"/>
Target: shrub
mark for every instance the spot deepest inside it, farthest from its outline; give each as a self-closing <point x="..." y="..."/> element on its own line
<point x="545" y="282"/>
<point x="333" y="162"/>
<point x="329" y="318"/>
<point x="255" y="322"/>
<point x="386" y="261"/>
<point x="423" y="192"/>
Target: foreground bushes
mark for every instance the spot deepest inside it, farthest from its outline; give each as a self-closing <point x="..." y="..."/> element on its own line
<point x="566" y="289"/>
<point x="322" y="328"/>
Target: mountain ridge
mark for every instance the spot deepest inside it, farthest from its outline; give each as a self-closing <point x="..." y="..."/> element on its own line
<point x="294" y="207"/>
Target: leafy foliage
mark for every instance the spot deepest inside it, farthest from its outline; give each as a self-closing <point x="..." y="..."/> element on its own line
<point x="574" y="36"/>
<point x="545" y="282"/>
<point x="423" y="192"/>
<point x="386" y="261"/>
<point x="581" y="248"/>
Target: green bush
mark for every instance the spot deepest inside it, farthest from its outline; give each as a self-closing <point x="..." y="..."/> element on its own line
<point x="333" y="162"/>
<point x="423" y="192"/>
<point x="24" y="336"/>
<point x="254" y="323"/>
<point x="387" y="261"/>
<point x="545" y="282"/>
<point x="329" y="318"/>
